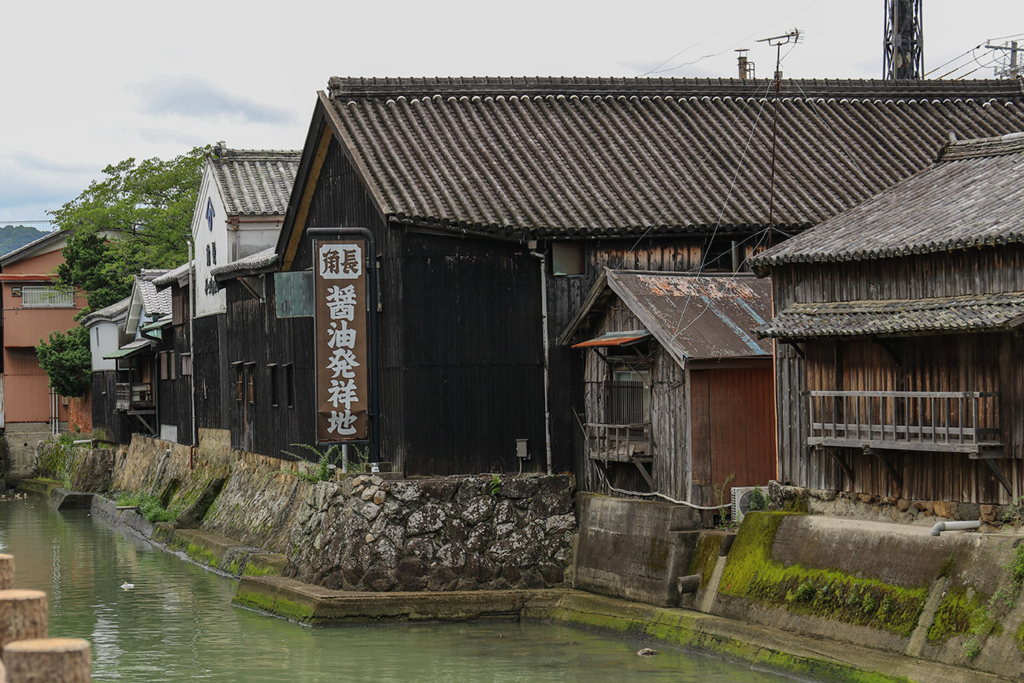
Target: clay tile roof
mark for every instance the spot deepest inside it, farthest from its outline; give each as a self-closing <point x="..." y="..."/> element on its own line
<point x="865" y="318"/>
<point x="972" y="196"/>
<point x="584" y="157"/>
<point x="255" y="182"/>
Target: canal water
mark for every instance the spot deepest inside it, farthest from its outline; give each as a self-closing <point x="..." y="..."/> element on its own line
<point x="177" y="624"/>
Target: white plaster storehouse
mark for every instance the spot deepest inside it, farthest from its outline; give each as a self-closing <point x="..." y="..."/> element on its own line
<point x="242" y="201"/>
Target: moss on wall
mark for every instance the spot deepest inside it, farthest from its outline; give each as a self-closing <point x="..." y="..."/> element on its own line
<point x="705" y="556"/>
<point x="751" y="573"/>
<point x="959" y="612"/>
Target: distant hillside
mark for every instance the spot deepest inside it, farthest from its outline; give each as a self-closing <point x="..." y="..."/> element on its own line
<point x="15" y="236"/>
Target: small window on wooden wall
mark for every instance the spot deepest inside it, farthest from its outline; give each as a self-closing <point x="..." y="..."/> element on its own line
<point x="239" y="382"/>
<point x="186" y="365"/>
<point x="163" y="365"/>
<point x="567" y="258"/>
<point x="289" y="384"/>
<point x="251" y="367"/>
<point x="273" y="384"/>
<point x="172" y="366"/>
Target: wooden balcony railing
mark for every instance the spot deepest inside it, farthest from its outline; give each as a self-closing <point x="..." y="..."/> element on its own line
<point x="619" y="443"/>
<point x="950" y="421"/>
<point x="133" y="397"/>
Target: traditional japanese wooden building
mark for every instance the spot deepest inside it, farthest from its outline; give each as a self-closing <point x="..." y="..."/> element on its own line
<point x="496" y="204"/>
<point x="679" y="390"/>
<point x="900" y="370"/>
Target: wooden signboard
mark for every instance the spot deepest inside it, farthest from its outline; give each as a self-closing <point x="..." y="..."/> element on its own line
<point x="342" y="336"/>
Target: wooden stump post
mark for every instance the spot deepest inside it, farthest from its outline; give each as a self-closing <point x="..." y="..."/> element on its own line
<point x="6" y="572"/>
<point x="48" y="660"/>
<point x="22" y="615"/>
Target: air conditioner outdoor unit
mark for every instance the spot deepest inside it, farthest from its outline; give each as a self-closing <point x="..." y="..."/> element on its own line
<point x="741" y="500"/>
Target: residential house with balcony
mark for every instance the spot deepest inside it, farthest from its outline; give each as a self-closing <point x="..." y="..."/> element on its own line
<point x="33" y="307"/>
<point x="900" y="368"/>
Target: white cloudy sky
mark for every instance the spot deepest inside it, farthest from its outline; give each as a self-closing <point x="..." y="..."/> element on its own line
<point x="88" y="84"/>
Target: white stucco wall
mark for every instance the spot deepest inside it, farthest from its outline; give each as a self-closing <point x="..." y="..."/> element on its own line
<point x="103" y="339"/>
<point x="209" y="239"/>
<point x="253" y="236"/>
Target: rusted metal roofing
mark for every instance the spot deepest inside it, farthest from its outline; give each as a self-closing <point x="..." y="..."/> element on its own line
<point x="255" y="182"/>
<point x="972" y="196"/>
<point x="691" y="316"/>
<point x="975" y="313"/>
<point x="614" y="339"/>
<point x="591" y="157"/>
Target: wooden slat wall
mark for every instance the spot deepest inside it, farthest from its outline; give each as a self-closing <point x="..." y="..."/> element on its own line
<point x="108" y="423"/>
<point x="966" y="362"/>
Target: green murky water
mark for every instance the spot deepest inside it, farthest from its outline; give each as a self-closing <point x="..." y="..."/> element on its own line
<point x="177" y="624"/>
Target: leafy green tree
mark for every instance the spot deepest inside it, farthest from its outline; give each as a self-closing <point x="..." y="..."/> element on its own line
<point x="67" y="361"/>
<point x="139" y="216"/>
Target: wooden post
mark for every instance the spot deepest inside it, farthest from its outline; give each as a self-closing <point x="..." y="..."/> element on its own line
<point x="22" y="615"/>
<point x="6" y="572"/>
<point x="48" y="660"/>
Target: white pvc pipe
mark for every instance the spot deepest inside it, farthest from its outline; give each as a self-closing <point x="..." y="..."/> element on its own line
<point x="955" y="526"/>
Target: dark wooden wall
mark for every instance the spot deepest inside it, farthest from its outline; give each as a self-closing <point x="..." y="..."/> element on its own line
<point x="174" y="396"/>
<point x="460" y="338"/>
<point x="965" y="362"/>
<point x="255" y="339"/>
<point x="211" y="368"/>
<point x="108" y="424"/>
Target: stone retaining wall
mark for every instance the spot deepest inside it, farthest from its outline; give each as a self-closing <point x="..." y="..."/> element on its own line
<point x="458" y="533"/>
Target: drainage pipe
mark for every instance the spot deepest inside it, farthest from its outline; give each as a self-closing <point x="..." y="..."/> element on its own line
<point x="544" y="334"/>
<point x="955" y="526"/>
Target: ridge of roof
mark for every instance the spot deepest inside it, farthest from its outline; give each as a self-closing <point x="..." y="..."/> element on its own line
<point x="1011" y="143"/>
<point x="946" y="206"/>
<point x="115" y="312"/>
<point x="985" y="89"/>
<point x="221" y="154"/>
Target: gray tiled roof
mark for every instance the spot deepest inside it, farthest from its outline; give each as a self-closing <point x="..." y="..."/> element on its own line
<point x="603" y="156"/>
<point x="115" y="312"/>
<point x="256" y="262"/>
<point x="863" y="318"/>
<point x="171" y="276"/>
<point x="972" y="196"/>
<point x="155" y="302"/>
<point x="255" y="182"/>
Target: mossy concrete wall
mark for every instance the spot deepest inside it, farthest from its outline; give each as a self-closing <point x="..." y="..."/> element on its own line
<point x="886" y="586"/>
<point x="634" y="549"/>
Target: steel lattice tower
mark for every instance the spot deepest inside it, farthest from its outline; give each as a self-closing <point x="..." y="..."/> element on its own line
<point x="903" y="52"/>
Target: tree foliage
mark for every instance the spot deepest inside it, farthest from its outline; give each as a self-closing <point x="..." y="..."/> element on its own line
<point x="67" y="361"/>
<point x="138" y="216"/>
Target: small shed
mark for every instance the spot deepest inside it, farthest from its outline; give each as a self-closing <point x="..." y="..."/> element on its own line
<point x="678" y="390"/>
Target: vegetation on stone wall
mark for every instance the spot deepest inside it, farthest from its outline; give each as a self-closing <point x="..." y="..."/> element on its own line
<point x="970" y="613"/>
<point x="751" y="573"/>
<point x="58" y="461"/>
<point x="705" y="556"/>
<point x="149" y="507"/>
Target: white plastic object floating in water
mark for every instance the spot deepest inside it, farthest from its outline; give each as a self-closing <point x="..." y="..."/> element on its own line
<point x="647" y="652"/>
<point x="127" y="586"/>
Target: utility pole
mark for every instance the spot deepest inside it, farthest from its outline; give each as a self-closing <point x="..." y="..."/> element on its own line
<point x="777" y="42"/>
<point x="1014" y="69"/>
<point x="903" y="40"/>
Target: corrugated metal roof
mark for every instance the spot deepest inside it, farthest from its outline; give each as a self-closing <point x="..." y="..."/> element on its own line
<point x="255" y="182"/>
<point x="614" y="339"/>
<point x="862" y="318"/>
<point x="572" y="157"/>
<point x="692" y="316"/>
<point x="973" y="196"/>
<point x="130" y="349"/>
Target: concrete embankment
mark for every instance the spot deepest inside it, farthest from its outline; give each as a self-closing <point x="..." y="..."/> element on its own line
<point x="836" y="598"/>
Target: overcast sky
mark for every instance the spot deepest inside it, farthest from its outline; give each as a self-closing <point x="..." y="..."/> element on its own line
<point x="89" y="84"/>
